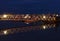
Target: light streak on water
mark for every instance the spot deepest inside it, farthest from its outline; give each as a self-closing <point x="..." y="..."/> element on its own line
<point x="25" y="29"/>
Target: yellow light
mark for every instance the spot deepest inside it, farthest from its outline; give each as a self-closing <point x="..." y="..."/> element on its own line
<point x="44" y="27"/>
<point x="4" y="16"/>
<point x="44" y="16"/>
<point x="5" y="32"/>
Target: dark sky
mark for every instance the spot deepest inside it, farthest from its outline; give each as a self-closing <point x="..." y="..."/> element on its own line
<point x="30" y="6"/>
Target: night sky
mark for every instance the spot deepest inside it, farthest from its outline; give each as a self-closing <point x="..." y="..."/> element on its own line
<point x="31" y="7"/>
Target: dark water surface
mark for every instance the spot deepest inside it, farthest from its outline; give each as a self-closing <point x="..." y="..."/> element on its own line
<point x="37" y="33"/>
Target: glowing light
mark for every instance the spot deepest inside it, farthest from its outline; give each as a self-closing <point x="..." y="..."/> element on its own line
<point x="26" y="16"/>
<point x="27" y="23"/>
<point x="44" y="27"/>
<point x="44" y="16"/>
<point x="5" y="32"/>
<point x="57" y="15"/>
<point x="4" y="16"/>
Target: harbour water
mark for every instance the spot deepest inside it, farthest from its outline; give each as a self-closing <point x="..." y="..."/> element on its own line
<point x="12" y="31"/>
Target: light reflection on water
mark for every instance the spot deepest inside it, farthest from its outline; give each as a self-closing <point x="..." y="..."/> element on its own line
<point x="14" y="30"/>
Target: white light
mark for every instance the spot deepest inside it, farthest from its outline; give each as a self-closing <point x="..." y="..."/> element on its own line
<point x="44" y="27"/>
<point x="5" y="32"/>
<point x="27" y="23"/>
<point x="4" y="16"/>
<point x="57" y="15"/>
<point x="26" y="16"/>
<point x="44" y="16"/>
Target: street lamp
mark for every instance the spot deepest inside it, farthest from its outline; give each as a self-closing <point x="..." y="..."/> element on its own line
<point x="5" y="32"/>
<point x="4" y="16"/>
<point x="44" y="17"/>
